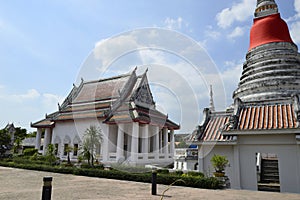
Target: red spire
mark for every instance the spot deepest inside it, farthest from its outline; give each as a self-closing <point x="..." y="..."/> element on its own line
<point x="269" y="29"/>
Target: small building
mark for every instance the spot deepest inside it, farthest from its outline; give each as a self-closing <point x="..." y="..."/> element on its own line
<point x="134" y="131"/>
<point x="186" y="155"/>
<point x="260" y="133"/>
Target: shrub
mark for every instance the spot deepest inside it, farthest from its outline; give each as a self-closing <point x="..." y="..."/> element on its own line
<point x="219" y="162"/>
<point x="163" y="171"/>
<point x="178" y="172"/>
<point x="30" y="151"/>
<point x="167" y="179"/>
<point x="193" y="173"/>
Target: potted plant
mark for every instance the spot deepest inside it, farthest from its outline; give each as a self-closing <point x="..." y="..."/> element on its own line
<point x="219" y="163"/>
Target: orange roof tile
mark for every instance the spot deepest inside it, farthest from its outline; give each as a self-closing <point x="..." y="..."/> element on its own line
<point x="277" y="116"/>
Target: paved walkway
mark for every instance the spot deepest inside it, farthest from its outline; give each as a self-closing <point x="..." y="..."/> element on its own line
<point x="27" y="185"/>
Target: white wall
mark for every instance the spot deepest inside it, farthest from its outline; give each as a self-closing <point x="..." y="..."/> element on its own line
<point x="209" y="151"/>
<point x="284" y="146"/>
<point x="70" y="129"/>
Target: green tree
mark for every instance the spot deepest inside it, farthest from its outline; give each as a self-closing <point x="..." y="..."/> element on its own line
<point x="91" y="140"/>
<point x="5" y="142"/>
<point x="19" y="136"/>
<point x="31" y="134"/>
<point x="86" y="154"/>
<point x="50" y="154"/>
<point x="20" y="133"/>
<point x="69" y="149"/>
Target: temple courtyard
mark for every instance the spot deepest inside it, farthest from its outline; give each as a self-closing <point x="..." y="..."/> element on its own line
<point x="27" y="184"/>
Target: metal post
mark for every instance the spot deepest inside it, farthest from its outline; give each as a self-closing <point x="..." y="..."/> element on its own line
<point x="47" y="188"/>
<point x="154" y="188"/>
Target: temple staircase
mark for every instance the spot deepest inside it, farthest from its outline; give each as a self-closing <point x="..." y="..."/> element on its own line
<point x="269" y="178"/>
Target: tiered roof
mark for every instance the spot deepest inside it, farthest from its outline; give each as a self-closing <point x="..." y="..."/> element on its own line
<point x="119" y="99"/>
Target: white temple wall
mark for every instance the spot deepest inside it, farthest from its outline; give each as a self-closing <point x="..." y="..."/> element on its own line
<point x="284" y="146"/>
<point x="140" y="149"/>
<point x="206" y="152"/>
<point x="68" y="132"/>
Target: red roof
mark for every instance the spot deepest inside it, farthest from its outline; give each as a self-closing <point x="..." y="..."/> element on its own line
<point x="269" y="29"/>
<point x="279" y="116"/>
<point x="214" y="128"/>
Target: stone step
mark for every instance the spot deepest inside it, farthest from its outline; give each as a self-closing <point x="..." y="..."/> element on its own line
<point x="268" y="187"/>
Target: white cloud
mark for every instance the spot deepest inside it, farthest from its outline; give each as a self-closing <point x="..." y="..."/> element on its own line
<point x="238" y="12"/>
<point x="237" y="32"/>
<point x="29" y="95"/>
<point x="295" y="30"/>
<point x="50" y="100"/>
<point x="174" y="24"/>
<point x="295" y="23"/>
<point x="109" y="48"/>
<point x="26" y="107"/>
<point x="211" y="33"/>
<point x="297" y="7"/>
<point x="231" y="77"/>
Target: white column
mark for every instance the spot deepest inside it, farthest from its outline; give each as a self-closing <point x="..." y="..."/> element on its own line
<point x="160" y="141"/>
<point x="175" y="165"/>
<point x="145" y="136"/>
<point x="47" y="139"/>
<point x="156" y="142"/>
<point x="120" y="143"/>
<point x="172" y="143"/>
<point x="105" y="143"/>
<point x="134" y="142"/>
<point x="165" y="145"/>
<point x="38" y="138"/>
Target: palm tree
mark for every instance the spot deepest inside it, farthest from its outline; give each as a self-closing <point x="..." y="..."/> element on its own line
<point x="68" y="150"/>
<point x="91" y="139"/>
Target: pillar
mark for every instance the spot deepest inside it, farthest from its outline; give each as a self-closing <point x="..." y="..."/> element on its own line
<point x="145" y="135"/>
<point x="134" y="142"/>
<point x="47" y="139"/>
<point x="165" y="145"/>
<point x="156" y="141"/>
<point x="160" y="133"/>
<point x="105" y="143"/>
<point x="172" y="143"/>
<point x="120" y="143"/>
<point x="38" y="138"/>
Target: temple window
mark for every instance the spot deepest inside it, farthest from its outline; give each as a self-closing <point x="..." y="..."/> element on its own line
<point x="75" y="150"/>
<point x="65" y="149"/>
<point x="56" y="149"/>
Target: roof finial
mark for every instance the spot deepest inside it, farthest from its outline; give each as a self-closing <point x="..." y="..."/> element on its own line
<point x="211" y="100"/>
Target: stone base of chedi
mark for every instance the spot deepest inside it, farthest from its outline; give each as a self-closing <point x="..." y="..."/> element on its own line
<point x="271" y="71"/>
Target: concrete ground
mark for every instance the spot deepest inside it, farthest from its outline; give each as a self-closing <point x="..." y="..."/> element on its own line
<point x="27" y="185"/>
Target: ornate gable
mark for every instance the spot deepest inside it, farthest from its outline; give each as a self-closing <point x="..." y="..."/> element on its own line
<point x="142" y="95"/>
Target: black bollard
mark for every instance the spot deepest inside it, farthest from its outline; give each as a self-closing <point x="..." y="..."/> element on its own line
<point x="154" y="189"/>
<point x="47" y="188"/>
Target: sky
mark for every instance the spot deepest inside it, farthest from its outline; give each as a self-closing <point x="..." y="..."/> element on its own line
<point x="46" y="46"/>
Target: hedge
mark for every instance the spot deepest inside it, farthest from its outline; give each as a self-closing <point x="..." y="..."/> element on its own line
<point x="166" y="179"/>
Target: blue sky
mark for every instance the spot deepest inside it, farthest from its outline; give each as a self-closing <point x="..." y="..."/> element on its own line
<point x="44" y="46"/>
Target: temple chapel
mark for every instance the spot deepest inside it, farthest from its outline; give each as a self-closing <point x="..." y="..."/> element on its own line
<point x="133" y="130"/>
<point x="260" y="132"/>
